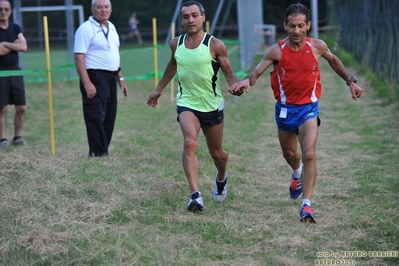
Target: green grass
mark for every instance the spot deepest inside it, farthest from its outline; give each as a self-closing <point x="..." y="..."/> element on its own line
<point x="130" y="208"/>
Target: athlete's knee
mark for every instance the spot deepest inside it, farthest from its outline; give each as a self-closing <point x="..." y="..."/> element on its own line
<point x="190" y="144"/>
<point x="289" y="155"/>
<point x="308" y="156"/>
<point x="219" y="155"/>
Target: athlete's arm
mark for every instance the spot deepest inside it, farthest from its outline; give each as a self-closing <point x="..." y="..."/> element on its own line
<point x="171" y="68"/>
<point x="168" y="74"/>
<point x="273" y="54"/>
<point x="219" y="53"/>
<point x="320" y="49"/>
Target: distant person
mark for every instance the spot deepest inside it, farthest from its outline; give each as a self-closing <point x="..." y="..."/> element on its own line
<point x="97" y="62"/>
<point x="295" y="81"/>
<point x="197" y="57"/>
<point x="133" y="26"/>
<point x="12" y="89"/>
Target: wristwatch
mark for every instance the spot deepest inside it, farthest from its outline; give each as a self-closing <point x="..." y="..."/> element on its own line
<point x="353" y="79"/>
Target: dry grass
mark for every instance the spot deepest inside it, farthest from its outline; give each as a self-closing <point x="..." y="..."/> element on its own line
<point x="129" y="208"/>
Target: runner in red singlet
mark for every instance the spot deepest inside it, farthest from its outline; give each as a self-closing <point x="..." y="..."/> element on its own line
<point x="295" y="81"/>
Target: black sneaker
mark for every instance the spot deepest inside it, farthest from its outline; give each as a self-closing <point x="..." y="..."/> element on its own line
<point x="3" y="142"/>
<point x="19" y="141"/>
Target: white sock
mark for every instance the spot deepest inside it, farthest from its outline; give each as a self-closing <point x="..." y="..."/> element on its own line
<point x="306" y="201"/>
<point x="297" y="172"/>
<point x="225" y="177"/>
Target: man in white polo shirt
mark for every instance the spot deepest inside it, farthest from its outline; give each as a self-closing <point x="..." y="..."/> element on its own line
<point x="97" y="62"/>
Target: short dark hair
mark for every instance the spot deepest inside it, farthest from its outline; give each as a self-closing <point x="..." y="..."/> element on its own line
<point x="296" y="9"/>
<point x="190" y="3"/>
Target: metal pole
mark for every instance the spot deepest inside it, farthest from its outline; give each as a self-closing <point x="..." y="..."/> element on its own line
<point x="314" y="19"/>
<point x="225" y="17"/>
<point x="175" y="14"/>
<point x="17" y="18"/>
<point x="216" y="17"/>
<point x="70" y="34"/>
<point x="40" y="25"/>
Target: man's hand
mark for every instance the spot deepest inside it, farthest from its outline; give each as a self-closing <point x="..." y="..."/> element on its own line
<point x="237" y="92"/>
<point x="90" y="90"/>
<point x="238" y="88"/>
<point x="123" y="86"/>
<point x="124" y="90"/>
<point x="153" y="99"/>
<point x="3" y="49"/>
<point x="356" y="91"/>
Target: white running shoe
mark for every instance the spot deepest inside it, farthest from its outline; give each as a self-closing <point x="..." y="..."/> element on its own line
<point x="196" y="202"/>
<point x="220" y="190"/>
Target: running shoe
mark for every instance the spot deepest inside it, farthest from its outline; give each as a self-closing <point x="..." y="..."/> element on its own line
<point x="196" y="202"/>
<point x="306" y="214"/>
<point x="19" y="141"/>
<point x="295" y="187"/>
<point x="220" y="191"/>
<point x="3" y="142"/>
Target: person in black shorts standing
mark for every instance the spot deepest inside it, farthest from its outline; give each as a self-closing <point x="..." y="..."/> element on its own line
<point x="12" y="89"/>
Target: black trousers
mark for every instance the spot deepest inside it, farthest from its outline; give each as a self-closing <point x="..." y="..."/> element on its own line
<point x="100" y="112"/>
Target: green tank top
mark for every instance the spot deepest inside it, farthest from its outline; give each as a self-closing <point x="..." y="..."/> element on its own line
<point x="198" y="87"/>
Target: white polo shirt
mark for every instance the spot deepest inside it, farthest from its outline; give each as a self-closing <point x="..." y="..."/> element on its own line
<point x="101" y="48"/>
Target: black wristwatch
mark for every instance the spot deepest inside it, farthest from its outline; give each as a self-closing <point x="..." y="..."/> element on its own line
<point x="353" y="79"/>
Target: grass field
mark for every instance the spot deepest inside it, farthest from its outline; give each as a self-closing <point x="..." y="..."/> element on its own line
<point x="130" y="208"/>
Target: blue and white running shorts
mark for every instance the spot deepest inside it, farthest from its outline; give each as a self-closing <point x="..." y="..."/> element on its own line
<point x="291" y="117"/>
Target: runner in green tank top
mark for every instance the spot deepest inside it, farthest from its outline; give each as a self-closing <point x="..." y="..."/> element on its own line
<point x="198" y="76"/>
<point x="196" y="57"/>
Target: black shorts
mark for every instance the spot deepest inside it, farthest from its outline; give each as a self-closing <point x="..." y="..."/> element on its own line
<point x="12" y="91"/>
<point x="209" y="118"/>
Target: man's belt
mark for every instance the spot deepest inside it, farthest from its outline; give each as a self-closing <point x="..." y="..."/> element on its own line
<point x="108" y="71"/>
